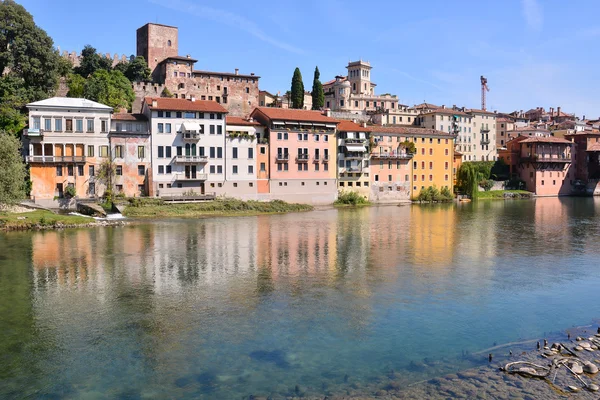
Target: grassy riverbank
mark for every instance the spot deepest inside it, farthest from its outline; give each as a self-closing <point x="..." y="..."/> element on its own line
<point x="40" y="219"/>
<point x="153" y="208"/>
<point x="504" y="194"/>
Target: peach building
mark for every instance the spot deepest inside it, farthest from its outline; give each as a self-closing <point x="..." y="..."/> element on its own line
<point x="302" y="154"/>
<point x="65" y="143"/>
<point x="543" y="163"/>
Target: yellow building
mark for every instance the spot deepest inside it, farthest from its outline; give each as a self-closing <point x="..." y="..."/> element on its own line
<point x="433" y="160"/>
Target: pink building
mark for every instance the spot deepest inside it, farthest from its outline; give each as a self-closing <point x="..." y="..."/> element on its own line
<point x="302" y="154"/>
<point x="543" y="163"/>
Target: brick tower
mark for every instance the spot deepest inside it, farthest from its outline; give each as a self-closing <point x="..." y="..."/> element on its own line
<point x="155" y="42"/>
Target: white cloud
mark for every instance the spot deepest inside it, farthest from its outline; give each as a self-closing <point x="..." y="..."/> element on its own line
<point x="533" y="15"/>
<point x="228" y="18"/>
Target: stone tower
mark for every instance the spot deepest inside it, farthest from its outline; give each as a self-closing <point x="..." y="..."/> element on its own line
<point x="359" y="76"/>
<point x="155" y="42"/>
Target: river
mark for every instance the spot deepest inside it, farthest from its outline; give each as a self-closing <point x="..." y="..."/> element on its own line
<point x="277" y="305"/>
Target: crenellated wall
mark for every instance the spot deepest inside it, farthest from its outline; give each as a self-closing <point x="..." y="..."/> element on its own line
<point x="75" y="57"/>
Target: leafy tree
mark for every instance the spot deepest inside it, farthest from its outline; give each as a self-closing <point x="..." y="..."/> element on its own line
<point x="297" y="90"/>
<point x="76" y="85"/>
<point x="138" y="71"/>
<point x="166" y="93"/>
<point x="91" y="62"/>
<point x="13" y="172"/>
<point x="13" y="97"/>
<point x="106" y="174"/>
<point x="65" y="66"/>
<point x="467" y="179"/>
<point x="318" y="95"/>
<point x="110" y="88"/>
<point x="121" y="66"/>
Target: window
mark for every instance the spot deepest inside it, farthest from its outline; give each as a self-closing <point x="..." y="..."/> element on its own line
<point x="234" y="152"/>
<point x="219" y="129"/>
<point x="316" y="167"/>
<point x="119" y="170"/>
<point x="178" y="114"/>
<point x="325" y="167"/>
<point x="161" y="169"/>
<point x="104" y="151"/>
<point x="141" y="170"/>
<point x="212" y="129"/>
<point x="161" y="128"/>
<point x="219" y="152"/>
<point x="118" y="151"/>
<point x="119" y="188"/>
<point x="235" y="169"/>
<point x="190" y="115"/>
<point x="168" y="43"/>
<point x="219" y="169"/>
<point x="180" y="150"/>
<point x="92" y="188"/>
<point x="90" y="125"/>
<point x="446" y="177"/>
<point x="160" y="114"/>
<point x="58" y="125"/>
<point x="48" y="124"/>
<point x="167" y="114"/>
<point x="263" y="167"/>
<point x="446" y="165"/>
<point x="279" y="135"/>
<point x="430" y="177"/>
<point x="91" y="170"/>
<point x="430" y="165"/>
<point x="78" y="125"/>
<point x="90" y="151"/>
<point x="316" y="138"/>
<point x="168" y="171"/>
<point x="69" y="125"/>
<point x="59" y="170"/>
<point x="250" y="169"/>
<point x="161" y="152"/>
<point x="168" y="128"/>
<point x="141" y="152"/>
<point x="212" y="169"/>
<point x="250" y="153"/>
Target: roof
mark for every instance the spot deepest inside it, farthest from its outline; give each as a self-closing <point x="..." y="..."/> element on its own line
<point x="409" y="130"/>
<point x="549" y="139"/>
<point x="180" y="58"/>
<point x="129" y="117"/>
<point x="349" y="126"/>
<point x="477" y="111"/>
<point x="169" y="104"/>
<point x="448" y="111"/>
<point x="345" y="78"/>
<point x="266" y="92"/>
<point x="241" y="121"/>
<point x="425" y="105"/>
<point x="152" y="23"/>
<point x="504" y="119"/>
<point x="69" y="102"/>
<point x="594" y="147"/>
<point x="529" y="129"/>
<point x="288" y="114"/>
<point x="226" y="74"/>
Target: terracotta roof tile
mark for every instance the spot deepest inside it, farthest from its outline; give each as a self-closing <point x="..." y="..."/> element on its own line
<point x="477" y="111"/>
<point x="409" y="130"/>
<point x="129" y="117"/>
<point x="594" y="147"/>
<point x="179" y="58"/>
<point x="288" y="114"/>
<point x="241" y="121"/>
<point x="549" y="139"/>
<point x="447" y="111"/>
<point x="349" y="126"/>
<point x="170" y="104"/>
<point x="233" y="74"/>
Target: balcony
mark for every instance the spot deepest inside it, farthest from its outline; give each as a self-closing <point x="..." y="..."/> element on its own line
<point x="33" y="132"/>
<point x="545" y="159"/>
<point x="55" y="159"/>
<point x="191" y="159"/>
<point x="393" y="156"/>
<point x="326" y="158"/>
<point x="282" y="157"/>
<point x="484" y="130"/>
<point x="354" y="155"/>
<point x="485" y="142"/>
<point x="316" y="158"/>
<point x="302" y="158"/>
<point x="190" y="136"/>
<point x="191" y="177"/>
<point x="354" y="169"/>
<point x="354" y="141"/>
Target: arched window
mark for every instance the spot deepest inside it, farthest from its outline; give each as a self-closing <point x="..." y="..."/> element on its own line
<point x="181" y="86"/>
<point x="193" y="149"/>
<point x="187" y="149"/>
<point x="169" y="43"/>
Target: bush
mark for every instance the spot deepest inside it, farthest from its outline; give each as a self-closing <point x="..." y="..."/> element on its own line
<point x="70" y="192"/>
<point x="350" y="198"/>
<point x="433" y="195"/>
<point x="514" y="184"/>
<point x="486" y="184"/>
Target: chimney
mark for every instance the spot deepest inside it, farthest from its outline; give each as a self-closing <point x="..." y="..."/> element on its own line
<point x="251" y="73"/>
<point x="188" y="56"/>
<point x="364" y="124"/>
<point x="443" y="106"/>
<point x="237" y="71"/>
<point x="328" y="113"/>
<point x="558" y="112"/>
<point x="154" y="103"/>
<point x="192" y="98"/>
<point x="250" y="119"/>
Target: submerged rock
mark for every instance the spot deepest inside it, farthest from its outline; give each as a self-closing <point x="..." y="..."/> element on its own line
<point x="590" y="368"/>
<point x="593" y="387"/>
<point x="573" y="389"/>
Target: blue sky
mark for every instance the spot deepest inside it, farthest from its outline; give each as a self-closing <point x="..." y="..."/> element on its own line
<point x="533" y="52"/>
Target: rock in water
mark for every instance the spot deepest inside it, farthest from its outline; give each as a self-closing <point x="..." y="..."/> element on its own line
<point x="573" y="388"/>
<point x="578" y="369"/>
<point x="578" y="348"/>
<point x="590" y="368"/>
<point x="527" y="370"/>
<point x="585" y="345"/>
<point x="593" y="387"/>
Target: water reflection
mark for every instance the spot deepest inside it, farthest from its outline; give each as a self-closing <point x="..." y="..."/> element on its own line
<point x="232" y="306"/>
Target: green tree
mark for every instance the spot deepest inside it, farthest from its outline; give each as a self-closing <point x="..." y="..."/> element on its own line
<point x="106" y="175"/>
<point x="13" y="97"/>
<point x="121" y="66"/>
<point x="138" y="71"/>
<point x="13" y="172"/>
<point x="110" y="88"/>
<point x="297" y="90"/>
<point x="467" y="179"/>
<point x="65" y="66"/>
<point x="91" y="62"/>
<point x="76" y="85"/>
<point x="166" y="93"/>
<point x="318" y="96"/>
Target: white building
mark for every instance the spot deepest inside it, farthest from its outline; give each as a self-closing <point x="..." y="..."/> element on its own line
<point x="188" y="145"/>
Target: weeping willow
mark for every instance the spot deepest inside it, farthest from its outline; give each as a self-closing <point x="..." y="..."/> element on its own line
<point x="467" y="179"/>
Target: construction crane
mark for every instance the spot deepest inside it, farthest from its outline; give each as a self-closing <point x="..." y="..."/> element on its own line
<point x="484" y="88"/>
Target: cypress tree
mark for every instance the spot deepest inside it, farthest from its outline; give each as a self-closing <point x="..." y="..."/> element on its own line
<point x="297" y="90"/>
<point x="318" y="96"/>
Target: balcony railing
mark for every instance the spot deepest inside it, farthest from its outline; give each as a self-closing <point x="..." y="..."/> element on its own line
<point x="354" y="169"/>
<point x="485" y="142"/>
<point x="326" y="158"/>
<point x="190" y="136"/>
<point x="545" y="159"/>
<point x="191" y="159"/>
<point x="316" y="158"/>
<point x="191" y="177"/>
<point x="55" y="159"/>
<point x="302" y="158"/>
<point x="33" y="132"/>
<point x="282" y="157"/>
<point x="356" y="155"/>
<point x="484" y="130"/>
<point x="354" y="141"/>
<point x="393" y="156"/>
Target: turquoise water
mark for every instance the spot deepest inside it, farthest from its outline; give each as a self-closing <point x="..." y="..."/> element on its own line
<point x="277" y="305"/>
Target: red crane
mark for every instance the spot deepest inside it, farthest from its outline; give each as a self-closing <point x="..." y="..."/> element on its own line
<point x="484" y="88"/>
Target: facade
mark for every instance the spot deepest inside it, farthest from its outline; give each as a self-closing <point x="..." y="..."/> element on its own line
<point x="353" y="142"/>
<point x="188" y="146"/>
<point x="484" y="135"/>
<point x="158" y="44"/>
<point x="355" y="92"/>
<point x="130" y="146"/>
<point x="302" y="154"/>
<point x="66" y="141"/>
<point x="543" y="163"/>
<point x="453" y="121"/>
<point x="432" y="161"/>
<point x="586" y="162"/>
<point x="503" y="125"/>
<point x="266" y="99"/>
<point x="402" y="115"/>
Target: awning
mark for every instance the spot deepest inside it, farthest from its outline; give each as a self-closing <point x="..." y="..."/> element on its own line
<point x="356" y="147"/>
<point x="277" y="123"/>
<point x="190" y="127"/>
